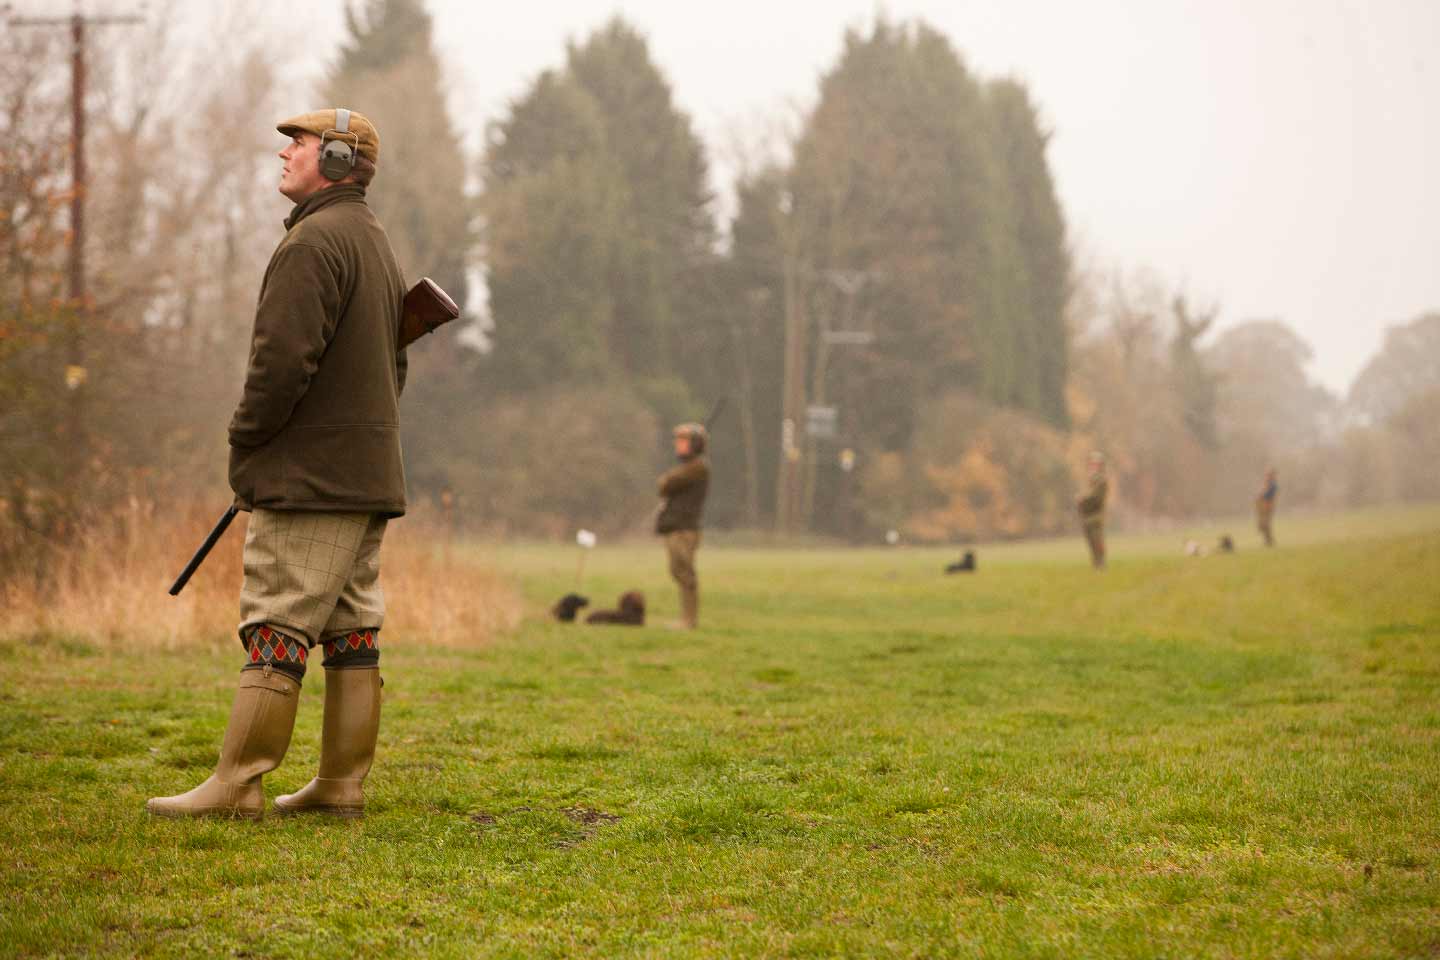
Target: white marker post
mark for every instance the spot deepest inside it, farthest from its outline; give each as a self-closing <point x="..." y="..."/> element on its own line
<point x="585" y="539"/>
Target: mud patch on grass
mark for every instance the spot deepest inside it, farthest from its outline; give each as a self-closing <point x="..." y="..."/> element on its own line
<point x="578" y="824"/>
<point x="589" y="820"/>
<point x="590" y="817"/>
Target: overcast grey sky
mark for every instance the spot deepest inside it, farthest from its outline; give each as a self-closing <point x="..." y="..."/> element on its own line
<point x="1277" y="157"/>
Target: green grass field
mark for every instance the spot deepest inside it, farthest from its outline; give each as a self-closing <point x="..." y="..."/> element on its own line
<point x="856" y="756"/>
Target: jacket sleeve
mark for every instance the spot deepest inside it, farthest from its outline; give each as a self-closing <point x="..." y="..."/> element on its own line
<point x="681" y="477"/>
<point x="294" y="322"/>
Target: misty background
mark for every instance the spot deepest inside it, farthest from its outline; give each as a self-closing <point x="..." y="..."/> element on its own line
<point x="956" y="248"/>
<point x="1270" y="156"/>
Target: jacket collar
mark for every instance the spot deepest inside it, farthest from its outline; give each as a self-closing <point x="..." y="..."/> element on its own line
<point x="321" y="199"/>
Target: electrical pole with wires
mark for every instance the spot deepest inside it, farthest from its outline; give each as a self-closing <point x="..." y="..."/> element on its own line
<point x="75" y="371"/>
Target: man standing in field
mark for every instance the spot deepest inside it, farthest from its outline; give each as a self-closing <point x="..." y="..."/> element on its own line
<point x="1265" y="506"/>
<point x="315" y="458"/>
<point x="1091" y="506"/>
<point x="683" y="490"/>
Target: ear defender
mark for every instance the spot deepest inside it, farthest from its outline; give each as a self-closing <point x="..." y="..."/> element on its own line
<point x="337" y="155"/>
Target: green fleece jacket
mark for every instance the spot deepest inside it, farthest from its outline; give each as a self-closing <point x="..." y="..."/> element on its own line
<point x="318" y="425"/>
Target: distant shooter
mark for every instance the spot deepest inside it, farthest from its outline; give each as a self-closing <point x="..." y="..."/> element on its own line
<point x="1091" y="505"/>
<point x="683" y="490"/>
<point x="1265" y="506"/>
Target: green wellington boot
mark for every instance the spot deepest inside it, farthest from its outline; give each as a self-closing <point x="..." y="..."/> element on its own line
<point x="255" y="742"/>
<point x="347" y="746"/>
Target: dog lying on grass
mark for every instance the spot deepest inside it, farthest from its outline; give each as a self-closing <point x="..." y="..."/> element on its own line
<point x="966" y="564"/>
<point x="568" y="606"/>
<point x="631" y="612"/>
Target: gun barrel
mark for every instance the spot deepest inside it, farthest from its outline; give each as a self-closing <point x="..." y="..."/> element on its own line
<point x="204" y="551"/>
<point x="715" y="413"/>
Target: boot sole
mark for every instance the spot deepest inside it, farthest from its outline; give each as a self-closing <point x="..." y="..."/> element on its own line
<point x="345" y="813"/>
<point x="213" y="813"/>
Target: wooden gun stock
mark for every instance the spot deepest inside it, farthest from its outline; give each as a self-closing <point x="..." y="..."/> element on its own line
<point x="425" y="309"/>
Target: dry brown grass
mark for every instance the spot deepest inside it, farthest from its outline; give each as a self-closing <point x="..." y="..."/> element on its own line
<point x="111" y="587"/>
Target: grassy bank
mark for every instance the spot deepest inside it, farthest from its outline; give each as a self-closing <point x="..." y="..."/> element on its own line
<point x="1228" y="756"/>
<point x="107" y="588"/>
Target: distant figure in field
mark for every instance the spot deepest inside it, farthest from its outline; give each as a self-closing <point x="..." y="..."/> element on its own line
<point x="1265" y="506"/>
<point x="965" y="564"/>
<point x="682" y="492"/>
<point x="1091" y="505"/>
<point x="1226" y="544"/>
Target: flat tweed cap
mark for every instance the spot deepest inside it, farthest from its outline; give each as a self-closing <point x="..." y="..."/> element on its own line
<point x="319" y="121"/>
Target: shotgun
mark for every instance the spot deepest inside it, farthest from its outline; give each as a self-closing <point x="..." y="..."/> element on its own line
<point x="715" y="412"/>
<point x="220" y="526"/>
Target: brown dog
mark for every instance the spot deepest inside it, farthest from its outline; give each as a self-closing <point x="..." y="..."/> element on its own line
<point x="631" y="612"/>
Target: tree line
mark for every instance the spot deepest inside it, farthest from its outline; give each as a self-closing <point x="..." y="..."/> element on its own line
<point x="891" y="306"/>
<point x="910" y="243"/>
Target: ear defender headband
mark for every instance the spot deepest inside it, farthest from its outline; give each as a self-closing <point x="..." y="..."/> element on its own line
<point x="337" y="155"/>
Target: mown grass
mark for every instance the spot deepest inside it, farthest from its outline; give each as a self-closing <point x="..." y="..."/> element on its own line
<point x="1228" y="756"/>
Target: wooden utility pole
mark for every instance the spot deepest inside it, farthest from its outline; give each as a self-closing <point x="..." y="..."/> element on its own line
<point x="742" y="342"/>
<point x="79" y="300"/>
<point x="792" y="394"/>
<point x="849" y="283"/>
<point x="787" y="486"/>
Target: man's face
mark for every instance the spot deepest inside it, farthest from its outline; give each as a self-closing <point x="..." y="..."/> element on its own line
<point x="682" y="444"/>
<point x="301" y="176"/>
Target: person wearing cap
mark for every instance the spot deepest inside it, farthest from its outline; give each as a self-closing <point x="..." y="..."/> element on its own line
<point x="682" y="492"/>
<point x="1091" y="506"/>
<point x="315" y="459"/>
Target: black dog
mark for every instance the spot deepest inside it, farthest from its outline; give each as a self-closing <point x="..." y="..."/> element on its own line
<point x="966" y="564"/>
<point x="1226" y="544"/>
<point x="631" y="612"/>
<point x="569" y="605"/>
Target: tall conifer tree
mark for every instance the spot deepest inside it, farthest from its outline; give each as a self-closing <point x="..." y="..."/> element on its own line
<point x="1037" y="226"/>
<point x="388" y="70"/>
<point x="599" y="236"/>
<point x="553" y="202"/>
<point x="668" y="229"/>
